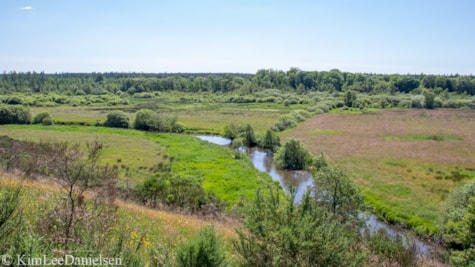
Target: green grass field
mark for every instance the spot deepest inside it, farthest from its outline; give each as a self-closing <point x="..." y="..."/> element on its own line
<point x="197" y="117"/>
<point x="221" y="172"/>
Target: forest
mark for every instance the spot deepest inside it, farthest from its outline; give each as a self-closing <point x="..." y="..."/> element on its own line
<point x="292" y="80"/>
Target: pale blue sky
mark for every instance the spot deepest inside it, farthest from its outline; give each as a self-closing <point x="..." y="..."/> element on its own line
<point x="405" y="36"/>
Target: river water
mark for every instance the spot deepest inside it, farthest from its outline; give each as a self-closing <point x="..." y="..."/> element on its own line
<point x="301" y="181"/>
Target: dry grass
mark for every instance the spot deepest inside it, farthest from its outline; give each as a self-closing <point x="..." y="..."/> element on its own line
<point x="163" y="224"/>
<point x="393" y="157"/>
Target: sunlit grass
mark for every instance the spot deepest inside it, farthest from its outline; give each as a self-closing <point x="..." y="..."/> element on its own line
<point x="229" y="177"/>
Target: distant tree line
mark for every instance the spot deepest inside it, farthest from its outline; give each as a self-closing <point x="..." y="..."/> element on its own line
<point x="292" y="80"/>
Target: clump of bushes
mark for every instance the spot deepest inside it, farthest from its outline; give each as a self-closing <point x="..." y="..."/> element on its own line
<point x="458" y="223"/>
<point x="14" y="115"/>
<point x="243" y="135"/>
<point x="293" y="156"/>
<point x="285" y="122"/>
<point x="205" y="249"/>
<point x="148" y="120"/>
<point x="117" y="119"/>
<point x="44" y="118"/>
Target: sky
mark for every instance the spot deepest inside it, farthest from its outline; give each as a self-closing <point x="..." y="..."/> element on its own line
<point x="370" y="36"/>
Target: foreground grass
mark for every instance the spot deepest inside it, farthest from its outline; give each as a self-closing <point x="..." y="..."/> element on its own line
<point x="221" y="172"/>
<point x="406" y="162"/>
<point x="148" y="229"/>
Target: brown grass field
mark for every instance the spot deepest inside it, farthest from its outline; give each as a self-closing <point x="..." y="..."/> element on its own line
<point x="405" y="161"/>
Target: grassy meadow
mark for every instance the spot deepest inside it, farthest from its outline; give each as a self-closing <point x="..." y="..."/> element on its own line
<point x="136" y="154"/>
<point x="206" y="118"/>
<point x="405" y="161"/>
<point x="149" y="230"/>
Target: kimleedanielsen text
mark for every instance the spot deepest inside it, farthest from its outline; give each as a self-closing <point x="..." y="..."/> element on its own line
<point x="26" y="260"/>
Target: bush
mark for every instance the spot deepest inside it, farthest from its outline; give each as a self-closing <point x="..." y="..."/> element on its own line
<point x="238" y="142"/>
<point x="271" y="141"/>
<point x="117" y="119"/>
<point x="278" y="233"/>
<point x="40" y="117"/>
<point x="47" y="121"/>
<point x="285" y="122"/>
<point x="293" y="156"/>
<point x="391" y="250"/>
<point x="14" y="115"/>
<point x="417" y="101"/>
<point x="232" y="131"/>
<point x="205" y="249"/>
<point x="14" y="100"/>
<point x="248" y="136"/>
<point x="458" y="223"/>
<point x="145" y="120"/>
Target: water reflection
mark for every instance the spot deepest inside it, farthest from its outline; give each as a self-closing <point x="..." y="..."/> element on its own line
<point x="263" y="161"/>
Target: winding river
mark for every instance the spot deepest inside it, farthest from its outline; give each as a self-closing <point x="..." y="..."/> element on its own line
<point x="301" y="181"/>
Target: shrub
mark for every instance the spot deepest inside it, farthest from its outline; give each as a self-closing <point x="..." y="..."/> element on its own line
<point x="205" y="249"/>
<point x="391" y="250"/>
<point x="232" y="131"/>
<point x="144" y="119"/>
<point x="285" y="122"/>
<point x="14" y="100"/>
<point x="238" y="142"/>
<point x="293" y="156"/>
<point x="40" y="117"/>
<point x="14" y="115"/>
<point x="278" y="233"/>
<point x="417" y="101"/>
<point x="270" y="141"/>
<point x="47" y="121"/>
<point x="117" y="119"/>
<point x="300" y="115"/>
<point x="248" y="136"/>
<point x="458" y="223"/>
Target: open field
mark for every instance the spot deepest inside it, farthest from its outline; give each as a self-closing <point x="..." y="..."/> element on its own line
<point x="198" y="118"/>
<point x="405" y="162"/>
<point x="229" y="177"/>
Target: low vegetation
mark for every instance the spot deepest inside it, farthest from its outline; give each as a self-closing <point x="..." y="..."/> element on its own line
<point x="406" y="162"/>
<point x="458" y="225"/>
<point x="137" y="188"/>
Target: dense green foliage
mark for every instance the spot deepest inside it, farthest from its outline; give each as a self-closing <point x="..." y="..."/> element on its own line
<point x="117" y="119"/>
<point x="270" y="141"/>
<point x="277" y="233"/>
<point x="336" y="191"/>
<point x="14" y="115"/>
<point x="149" y="120"/>
<point x="205" y="249"/>
<point x="146" y="119"/>
<point x="293" y="156"/>
<point x="459" y="225"/>
<point x="44" y="118"/>
<point x="174" y="191"/>
<point x="241" y="135"/>
<point x="293" y="79"/>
